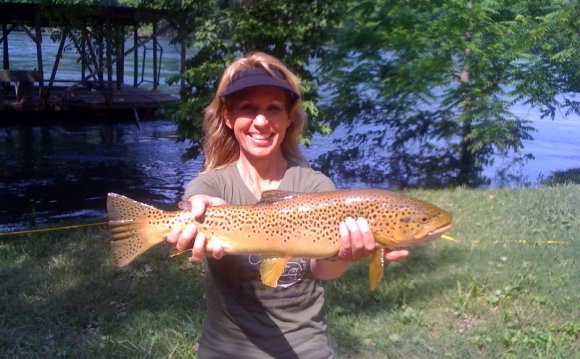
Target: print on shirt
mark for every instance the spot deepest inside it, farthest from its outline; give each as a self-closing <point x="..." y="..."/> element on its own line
<point x="293" y="272"/>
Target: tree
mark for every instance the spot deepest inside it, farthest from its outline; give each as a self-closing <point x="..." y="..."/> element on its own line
<point x="435" y="80"/>
<point x="553" y="67"/>
<point x="293" y="31"/>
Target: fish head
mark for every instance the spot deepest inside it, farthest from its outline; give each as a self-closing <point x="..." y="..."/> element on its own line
<point x="409" y="221"/>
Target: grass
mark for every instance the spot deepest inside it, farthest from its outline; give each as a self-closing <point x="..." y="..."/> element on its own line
<point x="509" y="288"/>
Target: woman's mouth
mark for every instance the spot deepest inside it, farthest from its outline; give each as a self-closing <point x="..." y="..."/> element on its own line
<point x="261" y="136"/>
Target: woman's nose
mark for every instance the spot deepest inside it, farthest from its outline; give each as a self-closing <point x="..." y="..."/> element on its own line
<point x="260" y="120"/>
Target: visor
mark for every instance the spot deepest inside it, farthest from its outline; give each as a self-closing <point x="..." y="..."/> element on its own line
<point x="258" y="77"/>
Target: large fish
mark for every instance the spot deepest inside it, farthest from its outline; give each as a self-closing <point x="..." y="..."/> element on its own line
<point x="282" y="225"/>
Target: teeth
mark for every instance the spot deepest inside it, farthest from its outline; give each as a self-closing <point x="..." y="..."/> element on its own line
<point x="258" y="136"/>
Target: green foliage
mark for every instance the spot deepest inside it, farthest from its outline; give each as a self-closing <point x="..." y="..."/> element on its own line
<point x="293" y="31"/>
<point x="431" y="82"/>
<point x="436" y="79"/>
<point x="552" y="73"/>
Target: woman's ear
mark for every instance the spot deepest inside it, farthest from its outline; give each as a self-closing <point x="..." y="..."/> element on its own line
<point x="228" y="119"/>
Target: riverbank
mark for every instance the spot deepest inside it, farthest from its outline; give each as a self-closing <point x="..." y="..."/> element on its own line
<point x="51" y="174"/>
<point x="507" y="288"/>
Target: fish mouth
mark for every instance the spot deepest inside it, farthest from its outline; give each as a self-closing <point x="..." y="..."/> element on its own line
<point x="439" y="231"/>
<point x="434" y="234"/>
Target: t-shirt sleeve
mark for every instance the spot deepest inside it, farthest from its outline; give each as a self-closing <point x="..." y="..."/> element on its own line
<point x="321" y="183"/>
<point x="306" y="180"/>
<point x="203" y="184"/>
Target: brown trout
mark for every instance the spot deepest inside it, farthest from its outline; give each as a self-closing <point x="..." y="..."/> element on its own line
<point x="282" y="225"/>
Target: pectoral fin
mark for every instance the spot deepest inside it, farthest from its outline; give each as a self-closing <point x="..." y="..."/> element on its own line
<point x="376" y="268"/>
<point x="271" y="269"/>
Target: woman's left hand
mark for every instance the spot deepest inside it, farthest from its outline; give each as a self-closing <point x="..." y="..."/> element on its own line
<point x="357" y="242"/>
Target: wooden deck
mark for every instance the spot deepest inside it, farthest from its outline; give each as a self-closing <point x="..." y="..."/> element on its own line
<point x="77" y="101"/>
<point x="98" y="34"/>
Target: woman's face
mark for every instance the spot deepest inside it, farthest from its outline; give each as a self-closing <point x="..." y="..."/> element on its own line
<point x="259" y="119"/>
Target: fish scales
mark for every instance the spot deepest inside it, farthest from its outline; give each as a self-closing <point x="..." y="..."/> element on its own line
<point x="282" y="224"/>
<point x="303" y="225"/>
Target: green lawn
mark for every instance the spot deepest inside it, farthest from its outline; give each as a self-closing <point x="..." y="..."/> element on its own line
<point x="508" y="288"/>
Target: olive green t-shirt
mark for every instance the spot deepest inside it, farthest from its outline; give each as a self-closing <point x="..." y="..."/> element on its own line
<point x="245" y="318"/>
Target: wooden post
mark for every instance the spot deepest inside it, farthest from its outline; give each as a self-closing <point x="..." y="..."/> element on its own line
<point x="182" y="69"/>
<point x="38" y="41"/>
<point x="83" y="53"/>
<point x="135" y="56"/>
<point x="101" y="51"/>
<point x="5" y="58"/>
<point x="109" y="60"/>
<point x="119" y="49"/>
<point x="155" y="77"/>
<point x="93" y="58"/>
<point x="101" y="61"/>
<point x="57" y="59"/>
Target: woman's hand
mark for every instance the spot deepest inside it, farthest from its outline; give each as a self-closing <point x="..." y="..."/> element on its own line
<point x="357" y="242"/>
<point x="189" y="237"/>
<point x="356" y="239"/>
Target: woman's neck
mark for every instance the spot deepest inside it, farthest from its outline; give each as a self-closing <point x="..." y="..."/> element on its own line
<point x="262" y="175"/>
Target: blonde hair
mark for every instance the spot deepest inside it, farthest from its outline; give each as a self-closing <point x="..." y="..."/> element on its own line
<point x="220" y="145"/>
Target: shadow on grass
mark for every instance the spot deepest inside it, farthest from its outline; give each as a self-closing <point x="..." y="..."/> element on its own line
<point x="60" y="296"/>
<point x="423" y="277"/>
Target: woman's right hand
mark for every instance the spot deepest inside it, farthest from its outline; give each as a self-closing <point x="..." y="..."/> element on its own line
<point x="189" y="237"/>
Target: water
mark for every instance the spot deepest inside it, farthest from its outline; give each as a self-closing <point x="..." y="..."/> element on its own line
<point x="55" y="173"/>
<point x="555" y="147"/>
<point x="59" y="173"/>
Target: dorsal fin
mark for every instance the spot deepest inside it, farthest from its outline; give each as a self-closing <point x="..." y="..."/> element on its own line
<point x="273" y="196"/>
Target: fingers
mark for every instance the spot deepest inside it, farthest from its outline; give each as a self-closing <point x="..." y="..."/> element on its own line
<point x="345" y="244"/>
<point x="356" y="238"/>
<point x="368" y="238"/>
<point x="198" y="250"/>
<point x="173" y="236"/>
<point x="199" y="203"/>
<point x="188" y="237"/>
<point x="202" y="246"/>
<point x="357" y="241"/>
<point x="396" y="255"/>
<point x="217" y="251"/>
<point x="182" y="238"/>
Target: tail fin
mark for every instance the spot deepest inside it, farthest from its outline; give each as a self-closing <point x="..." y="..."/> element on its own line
<point x="131" y="232"/>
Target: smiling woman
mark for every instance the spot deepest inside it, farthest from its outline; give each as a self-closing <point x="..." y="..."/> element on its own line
<point x="252" y="130"/>
<point x="259" y="119"/>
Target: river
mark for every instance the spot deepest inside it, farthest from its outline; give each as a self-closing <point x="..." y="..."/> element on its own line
<point x="62" y="172"/>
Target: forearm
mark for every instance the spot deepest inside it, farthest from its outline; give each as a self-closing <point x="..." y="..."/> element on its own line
<point x="328" y="268"/>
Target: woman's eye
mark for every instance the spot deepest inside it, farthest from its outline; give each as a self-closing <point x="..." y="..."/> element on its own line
<point x="274" y="108"/>
<point x="246" y="109"/>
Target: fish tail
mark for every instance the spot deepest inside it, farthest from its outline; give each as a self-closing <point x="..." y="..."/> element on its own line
<point x="131" y="232"/>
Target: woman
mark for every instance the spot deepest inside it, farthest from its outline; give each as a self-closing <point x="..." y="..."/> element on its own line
<point x="252" y="132"/>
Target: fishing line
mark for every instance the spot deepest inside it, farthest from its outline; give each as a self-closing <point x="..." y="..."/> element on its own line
<point x="51" y="229"/>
